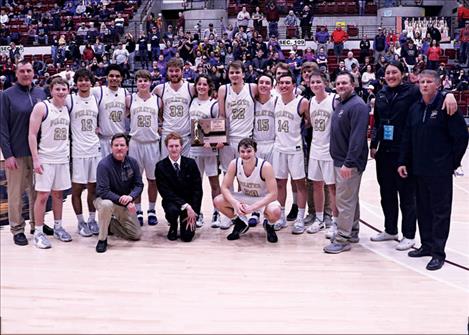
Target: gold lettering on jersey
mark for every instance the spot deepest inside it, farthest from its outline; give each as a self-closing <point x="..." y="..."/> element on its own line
<point x="176" y="100"/>
<point x="286" y="114"/>
<point x="144" y="110"/>
<point x="59" y="121"/>
<point x="265" y="113"/>
<point x="114" y="104"/>
<point x="86" y="112"/>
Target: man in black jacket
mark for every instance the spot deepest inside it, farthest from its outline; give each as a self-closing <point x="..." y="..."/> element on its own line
<point x="179" y="183"/>
<point x="119" y="183"/>
<point x="432" y="148"/>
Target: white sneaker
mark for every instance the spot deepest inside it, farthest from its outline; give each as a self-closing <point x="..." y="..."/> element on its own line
<point x="405" y="243"/>
<point x="41" y="241"/>
<point x="225" y="222"/>
<point x="383" y="237"/>
<point x="331" y="231"/>
<point x="316" y="226"/>
<point x="281" y="223"/>
<point x="215" y="220"/>
<point x="200" y="221"/>
<point x="298" y="227"/>
<point x="309" y="219"/>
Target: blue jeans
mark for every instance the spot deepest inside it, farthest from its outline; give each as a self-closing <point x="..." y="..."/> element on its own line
<point x="338" y="49"/>
<point x="273" y="28"/>
<point x="463" y="52"/>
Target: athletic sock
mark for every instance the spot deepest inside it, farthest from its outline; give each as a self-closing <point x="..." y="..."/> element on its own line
<point x="151" y="206"/>
<point x="38" y="229"/>
<point x="57" y="224"/>
<point x="301" y="214"/>
<point x="92" y="216"/>
<point x="295" y="194"/>
<point x="320" y="216"/>
<point x="138" y="207"/>
<point x="282" y="216"/>
<point x="80" y="218"/>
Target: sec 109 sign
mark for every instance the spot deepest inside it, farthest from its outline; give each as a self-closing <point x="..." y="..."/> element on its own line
<point x="292" y="42"/>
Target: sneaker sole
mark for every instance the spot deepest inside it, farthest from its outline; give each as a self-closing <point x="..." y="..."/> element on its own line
<point x="348" y="248"/>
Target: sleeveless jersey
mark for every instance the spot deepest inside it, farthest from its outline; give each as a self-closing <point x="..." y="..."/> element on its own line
<point x="54" y="143"/>
<point x="321" y="122"/>
<point x="176" y="109"/>
<point x="288" y="126"/>
<point x="264" y="121"/>
<point x="239" y="110"/>
<point x="144" y="119"/>
<point x="203" y="109"/>
<point x="111" y="105"/>
<point x="254" y="185"/>
<point x="83" y="123"/>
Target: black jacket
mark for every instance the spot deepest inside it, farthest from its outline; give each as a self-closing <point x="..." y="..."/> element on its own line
<point x="434" y="142"/>
<point x="185" y="189"/>
<point x="392" y="105"/>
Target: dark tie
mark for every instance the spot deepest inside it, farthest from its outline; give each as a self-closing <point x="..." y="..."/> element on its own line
<point x="178" y="170"/>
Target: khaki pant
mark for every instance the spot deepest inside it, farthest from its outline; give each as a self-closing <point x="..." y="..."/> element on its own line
<point x="18" y="181"/>
<point x="124" y="224"/>
<point x="348" y="221"/>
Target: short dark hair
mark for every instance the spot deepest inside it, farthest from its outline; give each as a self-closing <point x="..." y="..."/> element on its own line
<point x="84" y="73"/>
<point x="348" y="74"/>
<point x="236" y="64"/>
<point x="209" y="82"/>
<point x="266" y="75"/>
<point x="175" y="62"/>
<point x="397" y="64"/>
<point x="289" y="75"/>
<point x="321" y="74"/>
<point x="172" y="136"/>
<point x="247" y="142"/>
<point x="120" y="135"/>
<point x="57" y="80"/>
<point x="116" y="68"/>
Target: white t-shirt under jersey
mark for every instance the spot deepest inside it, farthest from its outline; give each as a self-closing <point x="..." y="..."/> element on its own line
<point x="54" y="142"/>
<point x="320" y="114"/>
<point x="83" y="123"/>
<point x="144" y="119"/>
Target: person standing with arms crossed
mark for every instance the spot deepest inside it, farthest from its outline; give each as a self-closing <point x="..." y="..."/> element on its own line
<point x="17" y="103"/>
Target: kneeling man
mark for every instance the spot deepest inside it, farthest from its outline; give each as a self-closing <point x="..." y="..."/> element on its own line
<point x="258" y="187"/>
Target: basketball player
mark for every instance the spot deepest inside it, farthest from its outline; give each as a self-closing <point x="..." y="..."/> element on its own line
<point x="112" y="109"/>
<point x="176" y="96"/>
<point x="321" y="165"/>
<point x="258" y="191"/>
<point x="288" y="155"/>
<point x="50" y="156"/>
<point x="204" y="107"/>
<point x="264" y="125"/>
<point x="144" y="110"/>
<point x="83" y="109"/>
<point x="236" y="103"/>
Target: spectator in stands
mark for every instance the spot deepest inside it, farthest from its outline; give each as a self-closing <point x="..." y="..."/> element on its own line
<point x="391" y="37"/>
<point x="291" y="22"/>
<point x="361" y="7"/>
<point x="257" y="18"/>
<point x="464" y="44"/>
<point x="243" y="18"/>
<point x="463" y="14"/>
<point x="92" y="33"/>
<point x="409" y="55"/>
<point x="368" y="77"/>
<point x="434" y="53"/>
<point x="88" y="53"/>
<point x="208" y="31"/>
<point x="434" y="32"/>
<point x="364" y="48"/>
<point x="120" y="54"/>
<point x="4" y="19"/>
<point x="42" y="34"/>
<point x="169" y="51"/>
<point x="5" y="38"/>
<point x="322" y="38"/>
<point x="130" y="45"/>
<point x="461" y="81"/>
<point x="446" y="82"/>
<point x="321" y="59"/>
<point x="340" y="69"/>
<point x="168" y="35"/>
<point x="379" y="44"/>
<point x="272" y="15"/>
<point x="98" y="49"/>
<point x="403" y="38"/>
<point x="306" y="18"/>
<point x="350" y="60"/>
<point x="442" y="70"/>
<point x="339" y="37"/>
<point x="15" y="53"/>
<point x="308" y="55"/>
<point x="181" y="22"/>
<point x="154" y="39"/>
<point x="420" y="63"/>
<point x="82" y="34"/>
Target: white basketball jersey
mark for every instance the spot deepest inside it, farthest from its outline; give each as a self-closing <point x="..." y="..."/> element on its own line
<point x="239" y="110"/>
<point x="144" y="119"/>
<point x="83" y="123"/>
<point x="54" y="143"/>
<point x="254" y="185"/>
<point x="288" y="126"/>
<point x="203" y="109"/>
<point x="111" y="105"/>
<point x="264" y="121"/>
<point x="176" y="109"/>
<point x="320" y="114"/>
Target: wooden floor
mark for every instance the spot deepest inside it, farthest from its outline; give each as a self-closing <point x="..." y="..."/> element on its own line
<point x="248" y="286"/>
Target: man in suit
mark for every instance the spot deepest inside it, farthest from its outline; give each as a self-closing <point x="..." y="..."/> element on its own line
<point x="178" y="180"/>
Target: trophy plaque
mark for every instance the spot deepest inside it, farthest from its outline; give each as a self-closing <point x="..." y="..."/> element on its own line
<point x="211" y="131"/>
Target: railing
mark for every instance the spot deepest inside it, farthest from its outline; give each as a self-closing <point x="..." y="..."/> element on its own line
<point x="208" y="4"/>
<point x="397" y="3"/>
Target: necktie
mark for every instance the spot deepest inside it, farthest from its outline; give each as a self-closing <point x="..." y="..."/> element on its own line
<point x="178" y="170"/>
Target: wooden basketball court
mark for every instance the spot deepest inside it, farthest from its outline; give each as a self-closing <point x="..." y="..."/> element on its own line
<point x="247" y="286"/>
